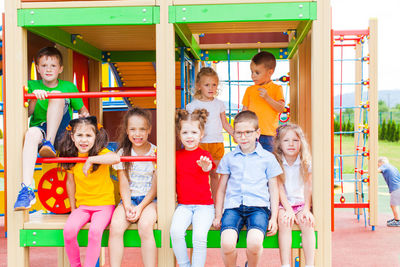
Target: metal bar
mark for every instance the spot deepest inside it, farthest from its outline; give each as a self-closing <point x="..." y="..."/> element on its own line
<point x="94" y="94"/>
<point x="350" y="205"/>
<point x="83" y="159"/>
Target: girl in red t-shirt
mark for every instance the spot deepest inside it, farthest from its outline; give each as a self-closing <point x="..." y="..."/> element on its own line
<point x="195" y="204"/>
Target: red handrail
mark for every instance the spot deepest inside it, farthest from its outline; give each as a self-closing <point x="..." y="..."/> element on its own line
<point x="94" y="94"/>
<point x="83" y="159"/>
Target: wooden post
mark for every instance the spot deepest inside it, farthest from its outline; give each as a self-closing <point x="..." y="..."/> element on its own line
<point x="321" y="119"/>
<point x="165" y="65"/>
<point x="294" y="88"/>
<point x="304" y="87"/>
<point x="16" y="125"/>
<point x="95" y="104"/>
<point x="373" y="121"/>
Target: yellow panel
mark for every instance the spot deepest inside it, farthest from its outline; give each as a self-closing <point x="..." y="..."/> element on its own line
<point x="51" y="201"/>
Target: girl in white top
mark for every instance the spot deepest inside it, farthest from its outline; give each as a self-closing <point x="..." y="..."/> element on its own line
<point x="204" y="98"/>
<point x="138" y="189"/>
<point x="295" y="191"/>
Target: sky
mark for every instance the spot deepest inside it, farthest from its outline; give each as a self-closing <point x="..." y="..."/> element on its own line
<point x="355" y="14"/>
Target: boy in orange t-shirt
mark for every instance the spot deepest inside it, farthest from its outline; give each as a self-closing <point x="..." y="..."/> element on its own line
<point x="264" y="98"/>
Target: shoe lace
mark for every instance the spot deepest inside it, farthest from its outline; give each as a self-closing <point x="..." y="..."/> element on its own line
<point x="24" y="193"/>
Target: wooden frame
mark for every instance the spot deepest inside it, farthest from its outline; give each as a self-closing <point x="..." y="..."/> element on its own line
<point x="313" y="93"/>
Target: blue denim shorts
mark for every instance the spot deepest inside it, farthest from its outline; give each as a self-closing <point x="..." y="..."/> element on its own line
<point x="267" y="142"/>
<point x="137" y="200"/>
<point x="61" y="129"/>
<point x="252" y="217"/>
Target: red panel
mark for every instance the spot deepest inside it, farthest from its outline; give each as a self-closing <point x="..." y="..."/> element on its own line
<point x="81" y="69"/>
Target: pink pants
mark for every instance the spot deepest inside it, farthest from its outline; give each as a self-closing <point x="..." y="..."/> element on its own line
<point x="100" y="217"/>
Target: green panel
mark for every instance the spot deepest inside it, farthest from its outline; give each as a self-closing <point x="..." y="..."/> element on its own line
<point x="301" y="33"/>
<point x="156" y="15"/>
<point x="88" y="16"/>
<point x="214" y="240"/>
<point x="65" y="39"/>
<point x="54" y="238"/>
<point x="243" y="12"/>
<point x="185" y="35"/>
<point x="129" y="56"/>
<point x="236" y="54"/>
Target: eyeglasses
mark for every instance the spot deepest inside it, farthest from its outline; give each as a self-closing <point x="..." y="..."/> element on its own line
<point x="245" y="133"/>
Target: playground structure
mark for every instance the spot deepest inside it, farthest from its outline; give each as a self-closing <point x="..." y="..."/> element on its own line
<point x="361" y="48"/>
<point x="134" y="34"/>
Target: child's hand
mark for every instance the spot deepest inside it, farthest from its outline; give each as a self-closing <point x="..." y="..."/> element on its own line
<point x="263" y="93"/>
<point x="86" y="167"/>
<point x="272" y="227"/>
<point x="217" y="222"/>
<point x="135" y="212"/>
<point x="40" y="94"/>
<point x="289" y="218"/>
<point x="305" y="216"/>
<point x="129" y="212"/>
<point x="205" y="163"/>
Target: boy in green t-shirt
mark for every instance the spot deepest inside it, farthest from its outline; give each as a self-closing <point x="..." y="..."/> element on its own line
<point x="49" y="118"/>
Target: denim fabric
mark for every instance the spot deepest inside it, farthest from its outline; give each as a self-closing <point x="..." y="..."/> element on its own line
<point x="201" y="217"/>
<point x="251" y="217"/>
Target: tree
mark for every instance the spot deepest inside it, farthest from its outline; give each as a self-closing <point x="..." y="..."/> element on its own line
<point x="382" y="107"/>
<point x="382" y="136"/>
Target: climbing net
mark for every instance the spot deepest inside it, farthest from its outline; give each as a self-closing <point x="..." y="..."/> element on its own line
<point x="350" y="177"/>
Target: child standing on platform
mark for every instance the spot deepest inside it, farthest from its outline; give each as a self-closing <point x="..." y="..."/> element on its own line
<point x="49" y="117"/>
<point x="195" y="204"/>
<point x="392" y="178"/>
<point x="265" y="98"/>
<point x="89" y="186"/>
<point x="247" y="191"/>
<point x="213" y="141"/>
<point x="138" y="189"/>
<point x="295" y="192"/>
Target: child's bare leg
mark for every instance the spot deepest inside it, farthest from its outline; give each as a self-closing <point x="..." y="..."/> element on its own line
<point x="228" y="247"/>
<point x="308" y="242"/>
<point x="395" y="212"/>
<point x="54" y="116"/>
<point x="33" y="138"/>
<point x="116" y="242"/>
<point x="254" y="249"/>
<point x="285" y="239"/>
<point x="145" y="227"/>
<point x="214" y="179"/>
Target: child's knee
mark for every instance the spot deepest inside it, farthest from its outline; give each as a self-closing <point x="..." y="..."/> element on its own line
<point x="116" y="228"/>
<point x="70" y="233"/>
<point x="177" y="232"/>
<point x="254" y="246"/>
<point x="34" y="135"/>
<point x="200" y="239"/>
<point x="57" y="101"/>
<point x="145" y="228"/>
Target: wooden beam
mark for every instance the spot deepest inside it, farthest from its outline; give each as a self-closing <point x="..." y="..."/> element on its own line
<point x="321" y="131"/>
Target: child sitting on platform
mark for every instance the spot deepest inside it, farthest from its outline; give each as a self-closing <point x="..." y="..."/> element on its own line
<point x="49" y="117"/>
<point x="247" y="191"/>
<point x="392" y="179"/>
<point x="89" y="186"/>
<point x="195" y="204"/>
<point x="295" y="191"/>
<point x="138" y="189"/>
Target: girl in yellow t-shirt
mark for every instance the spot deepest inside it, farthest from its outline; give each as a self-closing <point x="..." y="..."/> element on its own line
<point x="89" y="186"/>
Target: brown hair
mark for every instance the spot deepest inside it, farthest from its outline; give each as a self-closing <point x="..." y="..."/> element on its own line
<point x="265" y="58"/>
<point x="49" y="51"/>
<point x="123" y="141"/>
<point x="305" y="156"/>
<point x="67" y="146"/>
<point x="199" y="115"/>
<point x="246" y="115"/>
<point x="206" y="71"/>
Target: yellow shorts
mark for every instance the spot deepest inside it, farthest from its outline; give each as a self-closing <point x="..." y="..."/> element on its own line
<point x="216" y="150"/>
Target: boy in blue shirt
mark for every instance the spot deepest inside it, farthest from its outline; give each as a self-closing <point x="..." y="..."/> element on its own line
<point x="248" y="192"/>
<point x="49" y="118"/>
<point x="392" y="178"/>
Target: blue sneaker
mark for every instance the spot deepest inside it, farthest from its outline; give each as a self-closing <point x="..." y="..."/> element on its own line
<point x="47" y="150"/>
<point x="26" y="198"/>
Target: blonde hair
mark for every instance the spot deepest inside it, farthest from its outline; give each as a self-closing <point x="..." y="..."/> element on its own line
<point x="305" y="156"/>
<point x="383" y="160"/>
<point x="199" y="115"/>
<point x="206" y="71"/>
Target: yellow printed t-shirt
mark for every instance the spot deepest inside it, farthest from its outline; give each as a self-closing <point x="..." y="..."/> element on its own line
<point x="96" y="189"/>
<point x="267" y="117"/>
